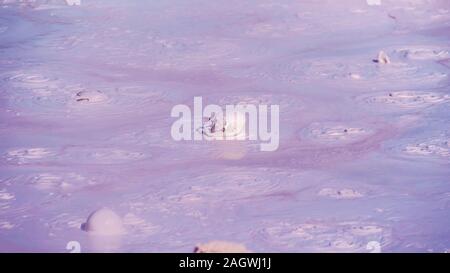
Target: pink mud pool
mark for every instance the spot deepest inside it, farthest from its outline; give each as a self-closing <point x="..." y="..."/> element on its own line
<point x="86" y="93"/>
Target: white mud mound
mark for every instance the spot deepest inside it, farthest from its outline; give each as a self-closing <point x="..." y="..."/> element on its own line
<point x="104" y="222"/>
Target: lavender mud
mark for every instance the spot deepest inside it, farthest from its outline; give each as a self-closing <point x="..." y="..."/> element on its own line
<point x="359" y="162"/>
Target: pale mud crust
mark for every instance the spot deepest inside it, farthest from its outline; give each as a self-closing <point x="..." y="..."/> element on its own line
<point x="437" y="147"/>
<point x="324" y="236"/>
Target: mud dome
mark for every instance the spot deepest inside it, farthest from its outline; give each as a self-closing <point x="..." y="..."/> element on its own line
<point x="86" y="93"/>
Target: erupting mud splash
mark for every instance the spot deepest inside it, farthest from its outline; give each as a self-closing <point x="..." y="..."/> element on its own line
<point x="87" y="89"/>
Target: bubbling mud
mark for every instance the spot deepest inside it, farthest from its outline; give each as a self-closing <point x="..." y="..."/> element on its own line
<point x="432" y="146"/>
<point x="407" y="99"/>
<point x="94" y="96"/>
<point x="435" y="147"/>
<point x="323" y="236"/>
<point x="30" y="80"/>
<point x="424" y="53"/>
<point x="335" y="133"/>
<point x="340" y="194"/>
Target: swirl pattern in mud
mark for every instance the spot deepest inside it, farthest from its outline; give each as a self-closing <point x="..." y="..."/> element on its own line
<point x="86" y="94"/>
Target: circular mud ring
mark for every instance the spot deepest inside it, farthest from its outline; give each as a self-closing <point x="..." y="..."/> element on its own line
<point x="322" y="236"/>
<point x="404" y="100"/>
<point x="423" y="53"/>
<point x="435" y="147"/>
<point x="83" y="155"/>
<point x="335" y="133"/>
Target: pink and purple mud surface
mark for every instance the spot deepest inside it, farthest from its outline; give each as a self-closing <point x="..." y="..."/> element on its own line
<point x="86" y="93"/>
